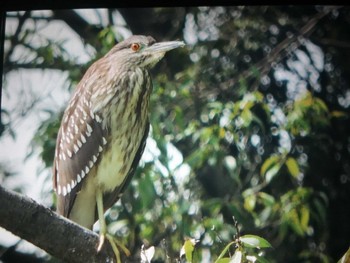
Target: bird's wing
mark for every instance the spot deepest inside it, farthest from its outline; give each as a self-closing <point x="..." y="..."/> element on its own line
<point x="111" y="198"/>
<point x="80" y="141"/>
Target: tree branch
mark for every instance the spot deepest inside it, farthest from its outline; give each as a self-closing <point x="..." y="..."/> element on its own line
<point x="14" y="40"/>
<point x="53" y="233"/>
<point x="280" y="51"/>
<point x="45" y="66"/>
<point x="85" y="30"/>
<point x="167" y="26"/>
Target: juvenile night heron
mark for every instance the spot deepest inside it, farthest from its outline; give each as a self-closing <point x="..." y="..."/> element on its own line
<point x="104" y="130"/>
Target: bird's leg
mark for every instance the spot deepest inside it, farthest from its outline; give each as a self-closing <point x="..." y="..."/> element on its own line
<point x="103" y="230"/>
<point x="101" y="218"/>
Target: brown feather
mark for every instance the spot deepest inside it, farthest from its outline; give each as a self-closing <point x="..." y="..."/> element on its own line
<point x="68" y="168"/>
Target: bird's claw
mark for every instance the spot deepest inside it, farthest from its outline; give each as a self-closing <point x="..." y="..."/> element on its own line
<point x="100" y="243"/>
<point x="114" y="244"/>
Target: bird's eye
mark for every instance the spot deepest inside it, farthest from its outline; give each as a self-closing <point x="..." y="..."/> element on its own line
<point x="135" y="47"/>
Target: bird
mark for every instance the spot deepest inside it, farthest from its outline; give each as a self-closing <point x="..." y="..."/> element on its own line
<point x="103" y="132"/>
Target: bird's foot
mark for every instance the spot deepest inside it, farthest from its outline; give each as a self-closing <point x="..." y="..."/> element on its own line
<point x="101" y="242"/>
<point x="104" y="232"/>
<point x="114" y="244"/>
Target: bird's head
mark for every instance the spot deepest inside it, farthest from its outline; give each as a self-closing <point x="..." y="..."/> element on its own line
<point x="141" y="51"/>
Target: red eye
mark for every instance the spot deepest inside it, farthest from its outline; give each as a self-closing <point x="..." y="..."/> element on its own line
<point x="135" y="47"/>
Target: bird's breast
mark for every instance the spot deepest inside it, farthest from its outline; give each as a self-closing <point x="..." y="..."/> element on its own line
<point x="127" y="120"/>
<point x="116" y="162"/>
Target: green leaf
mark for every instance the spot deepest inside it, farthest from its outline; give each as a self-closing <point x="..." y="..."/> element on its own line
<point x="246" y="116"/>
<point x="321" y="105"/>
<point x="259" y="259"/>
<point x="304" y="217"/>
<point x="147" y="190"/>
<point x="345" y="258"/>
<point x="254" y="241"/>
<point x="188" y="249"/>
<point x="271" y="167"/>
<point x="267" y="200"/>
<point x="223" y="252"/>
<point x="293" y="167"/>
<point x="249" y="202"/>
<point x="294" y="221"/>
<point x="237" y="257"/>
<point x="272" y="172"/>
<point x="223" y="260"/>
<point x="272" y="160"/>
<point x="338" y="114"/>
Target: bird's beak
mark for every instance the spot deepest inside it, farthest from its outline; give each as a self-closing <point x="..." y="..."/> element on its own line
<point x="163" y="47"/>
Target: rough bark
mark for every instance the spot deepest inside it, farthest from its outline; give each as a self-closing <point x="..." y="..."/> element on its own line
<point x="53" y="233"/>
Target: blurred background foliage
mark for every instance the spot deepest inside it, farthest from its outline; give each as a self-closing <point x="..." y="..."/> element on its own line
<point x="256" y="108"/>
